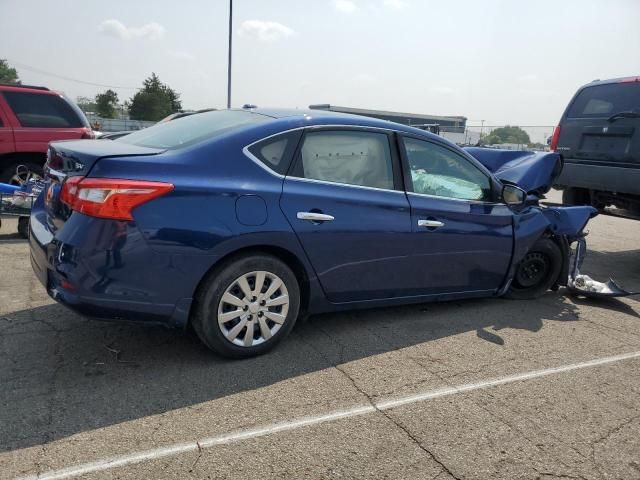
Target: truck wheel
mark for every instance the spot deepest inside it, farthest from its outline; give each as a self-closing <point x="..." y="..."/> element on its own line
<point x="23" y="227"/>
<point x="537" y="271"/>
<point x="576" y="196"/>
<point x="14" y="175"/>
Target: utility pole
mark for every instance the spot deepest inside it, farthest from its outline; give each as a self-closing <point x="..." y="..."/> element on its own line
<point x="230" y="49"/>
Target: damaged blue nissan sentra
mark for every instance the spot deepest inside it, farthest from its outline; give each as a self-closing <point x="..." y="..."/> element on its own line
<point x="238" y="222"/>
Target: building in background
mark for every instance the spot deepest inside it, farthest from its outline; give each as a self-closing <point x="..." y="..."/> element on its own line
<point x="450" y="127"/>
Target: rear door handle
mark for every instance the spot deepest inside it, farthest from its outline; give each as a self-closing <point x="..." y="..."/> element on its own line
<point x="430" y="223"/>
<point x="315" y="217"/>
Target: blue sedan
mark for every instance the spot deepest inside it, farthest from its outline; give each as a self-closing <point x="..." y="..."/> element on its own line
<point x="239" y="222"/>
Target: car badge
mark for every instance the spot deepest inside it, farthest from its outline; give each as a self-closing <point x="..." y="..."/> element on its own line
<point x="605" y="129"/>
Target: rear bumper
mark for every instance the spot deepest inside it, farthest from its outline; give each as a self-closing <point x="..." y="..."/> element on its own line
<point x="599" y="177"/>
<point x="80" y="278"/>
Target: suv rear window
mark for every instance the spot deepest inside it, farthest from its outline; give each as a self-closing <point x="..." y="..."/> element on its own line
<point x="190" y="130"/>
<point x="43" y="110"/>
<point x="605" y="100"/>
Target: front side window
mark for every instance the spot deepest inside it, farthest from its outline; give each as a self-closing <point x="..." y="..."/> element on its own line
<point x="438" y="171"/>
<point x="349" y="157"/>
<point x="43" y="110"/>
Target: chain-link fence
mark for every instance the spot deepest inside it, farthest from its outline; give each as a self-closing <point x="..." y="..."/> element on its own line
<point x="116" y="124"/>
<point x="528" y="137"/>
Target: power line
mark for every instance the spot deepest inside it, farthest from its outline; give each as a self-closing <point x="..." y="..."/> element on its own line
<point x="43" y="72"/>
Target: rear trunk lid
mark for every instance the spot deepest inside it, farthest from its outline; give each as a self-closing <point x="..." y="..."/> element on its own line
<point x="68" y="159"/>
<point x="602" y="125"/>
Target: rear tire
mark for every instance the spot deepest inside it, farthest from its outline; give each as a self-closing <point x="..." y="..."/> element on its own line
<point x="537" y="272"/>
<point x="247" y="306"/>
<point x="576" y="196"/>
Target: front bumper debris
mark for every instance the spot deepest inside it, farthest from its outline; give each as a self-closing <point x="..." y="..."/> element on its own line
<point x="587" y="286"/>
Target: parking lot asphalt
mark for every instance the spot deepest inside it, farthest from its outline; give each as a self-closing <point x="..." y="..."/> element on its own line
<point x="475" y="389"/>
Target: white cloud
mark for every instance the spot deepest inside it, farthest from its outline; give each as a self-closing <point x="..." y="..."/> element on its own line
<point x="115" y="28"/>
<point x="264" y="30"/>
<point x="345" y="6"/>
<point x="397" y="4"/>
<point x="181" y="55"/>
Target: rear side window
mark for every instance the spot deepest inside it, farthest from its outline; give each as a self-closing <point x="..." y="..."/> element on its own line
<point x="349" y="157"/>
<point x="193" y="129"/>
<point x="605" y="100"/>
<point x="276" y="152"/>
<point x="43" y="110"/>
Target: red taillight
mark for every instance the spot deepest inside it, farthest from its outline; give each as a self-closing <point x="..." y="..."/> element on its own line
<point x="110" y="197"/>
<point x="554" y="139"/>
<point x="630" y="80"/>
<point x="87" y="134"/>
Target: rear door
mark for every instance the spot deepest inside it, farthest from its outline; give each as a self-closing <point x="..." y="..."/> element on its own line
<point x="461" y="240"/>
<point x="343" y="198"/>
<point x="602" y="126"/>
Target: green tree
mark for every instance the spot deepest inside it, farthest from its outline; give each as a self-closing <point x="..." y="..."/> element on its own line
<point x="507" y="134"/>
<point x="86" y="104"/>
<point x="154" y="101"/>
<point x="8" y="74"/>
<point x="106" y="104"/>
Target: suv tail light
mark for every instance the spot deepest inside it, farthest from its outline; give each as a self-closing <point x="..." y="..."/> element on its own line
<point x="554" y="139"/>
<point x="88" y="134"/>
<point x="111" y="198"/>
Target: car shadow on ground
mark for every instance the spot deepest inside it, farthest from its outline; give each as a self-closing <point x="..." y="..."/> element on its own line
<point x="63" y="374"/>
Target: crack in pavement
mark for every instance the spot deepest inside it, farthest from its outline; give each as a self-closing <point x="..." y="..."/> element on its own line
<point x="605" y="437"/>
<point x="398" y="424"/>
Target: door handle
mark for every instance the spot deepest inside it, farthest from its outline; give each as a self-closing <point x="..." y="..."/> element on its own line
<point x="315" y="217"/>
<point x="430" y="223"/>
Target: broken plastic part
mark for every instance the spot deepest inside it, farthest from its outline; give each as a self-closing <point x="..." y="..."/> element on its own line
<point x="587" y="286"/>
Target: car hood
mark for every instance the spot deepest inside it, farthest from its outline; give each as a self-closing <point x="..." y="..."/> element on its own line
<point x="534" y="172"/>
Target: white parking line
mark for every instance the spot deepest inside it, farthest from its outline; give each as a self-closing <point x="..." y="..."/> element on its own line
<point x="208" y="442"/>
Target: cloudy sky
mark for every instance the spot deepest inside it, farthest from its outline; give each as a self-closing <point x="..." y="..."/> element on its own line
<point x="501" y="61"/>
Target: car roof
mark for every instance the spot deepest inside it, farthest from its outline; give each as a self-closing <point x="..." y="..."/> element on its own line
<point x="308" y="117"/>
<point x="630" y="79"/>
<point x="7" y="87"/>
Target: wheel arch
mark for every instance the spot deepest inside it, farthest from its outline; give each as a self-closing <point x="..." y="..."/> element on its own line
<point x="9" y="161"/>
<point x="285" y="255"/>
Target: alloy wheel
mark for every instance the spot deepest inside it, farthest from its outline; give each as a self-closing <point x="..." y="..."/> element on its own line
<point x="253" y="308"/>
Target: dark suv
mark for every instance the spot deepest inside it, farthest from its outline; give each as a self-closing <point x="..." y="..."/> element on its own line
<point x="31" y="117"/>
<point x="599" y="137"/>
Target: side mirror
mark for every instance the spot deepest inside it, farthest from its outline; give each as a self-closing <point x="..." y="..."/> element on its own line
<point x="512" y="195"/>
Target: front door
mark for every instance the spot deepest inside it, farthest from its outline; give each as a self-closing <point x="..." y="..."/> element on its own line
<point x="462" y="239"/>
<point x="344" y="200"/>
<point x="7" y="144"/>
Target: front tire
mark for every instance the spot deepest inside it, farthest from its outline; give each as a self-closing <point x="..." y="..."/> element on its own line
<point x="537" y="272"/>
<point x="247" y="306"/>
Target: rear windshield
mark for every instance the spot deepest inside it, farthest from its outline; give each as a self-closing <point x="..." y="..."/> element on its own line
<point x="45" y="110"/>
<point x="605" y="100"/>
<point x="192" y="129"/>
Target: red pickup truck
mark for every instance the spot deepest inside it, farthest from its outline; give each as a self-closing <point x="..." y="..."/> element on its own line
<point x="31" y="117"/>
